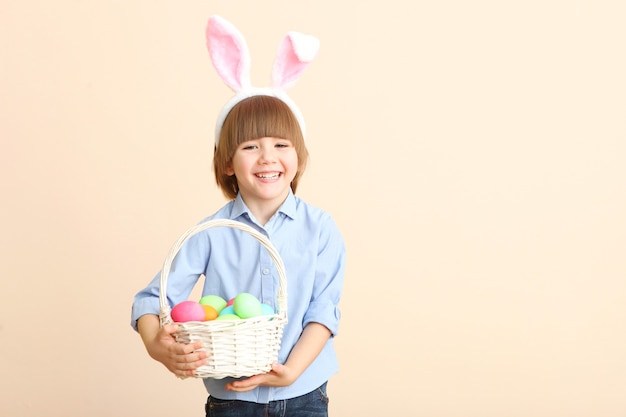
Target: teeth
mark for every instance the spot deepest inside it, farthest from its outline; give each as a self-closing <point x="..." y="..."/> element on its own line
<point x="268" y="176"/>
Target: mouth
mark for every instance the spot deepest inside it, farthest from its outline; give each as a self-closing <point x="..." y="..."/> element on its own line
<point x="268" y="175"/>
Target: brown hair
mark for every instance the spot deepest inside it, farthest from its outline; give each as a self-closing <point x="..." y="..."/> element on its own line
<point x="253" y="118"/>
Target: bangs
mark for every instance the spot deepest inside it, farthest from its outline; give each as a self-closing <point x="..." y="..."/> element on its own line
<point x="263" y="116"/>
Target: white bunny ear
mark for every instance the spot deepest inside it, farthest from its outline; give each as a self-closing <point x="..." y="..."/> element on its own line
<point x="295" y="53"/>
<point x="229" y="53"/>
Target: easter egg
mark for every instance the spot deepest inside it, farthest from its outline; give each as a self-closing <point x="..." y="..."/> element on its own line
<point x="228" y="317"/>
<point x="188" y="311"/>
<point x="227" y="310"/>
<point x="215" y="301"/>
<point x="210" y="313"/>
<point x="247" y="305"/>
<point x="267" y="310"/>
<point x="230" y="302"/>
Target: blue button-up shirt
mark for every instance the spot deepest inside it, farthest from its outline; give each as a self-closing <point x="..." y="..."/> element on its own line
<point x="313" y="252"/>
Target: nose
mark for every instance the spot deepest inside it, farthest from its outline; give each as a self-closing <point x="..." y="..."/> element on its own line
<point x="267" y="155"/>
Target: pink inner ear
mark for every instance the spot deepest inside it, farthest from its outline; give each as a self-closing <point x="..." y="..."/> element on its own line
<point x="229" y="53"/>
<point x="287" y="67"/>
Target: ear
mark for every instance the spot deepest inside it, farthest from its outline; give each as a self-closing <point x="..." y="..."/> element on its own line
<point x="229" y="169"/>
<point x="295" y="53"/>
<point x="229" y="53"/>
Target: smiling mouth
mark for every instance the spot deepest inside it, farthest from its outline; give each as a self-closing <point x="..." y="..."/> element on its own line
<point x="268" y="175"/>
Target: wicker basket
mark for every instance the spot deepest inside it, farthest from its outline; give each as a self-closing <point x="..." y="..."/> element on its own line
<point x="236" y="348"/>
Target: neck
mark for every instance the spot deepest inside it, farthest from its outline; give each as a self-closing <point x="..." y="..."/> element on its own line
<point x="263" y="215"/>
<point x="263" y="210"/>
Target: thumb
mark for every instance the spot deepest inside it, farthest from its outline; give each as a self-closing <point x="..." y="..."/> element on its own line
<point x="278" y="368"/>
<point x="170" y="328"/>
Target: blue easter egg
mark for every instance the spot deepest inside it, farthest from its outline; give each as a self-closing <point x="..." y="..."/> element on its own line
<point x="227" y="310"/>
<point x="267" y="310"/>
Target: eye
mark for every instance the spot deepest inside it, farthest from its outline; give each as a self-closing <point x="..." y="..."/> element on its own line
<point x="248" y="146"/>
<point x="283" y="144"/>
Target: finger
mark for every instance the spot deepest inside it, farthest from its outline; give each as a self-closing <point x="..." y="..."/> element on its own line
<point x="184" y="373"/>
<point x="237" y="388"/>
<point x="247" y="384"/>
<point x="182" y="349"/>
<point x="193" y="356"/>
<point x="170" y="328"/>
<point x="188" y="368"/>
<point x="278" y="369"/>
<point x="192" y="347"/>
<point x="198" y="358"/>
<point x="195" y="359"/>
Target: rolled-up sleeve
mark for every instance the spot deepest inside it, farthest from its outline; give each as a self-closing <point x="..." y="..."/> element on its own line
<point x="329" y="277"/>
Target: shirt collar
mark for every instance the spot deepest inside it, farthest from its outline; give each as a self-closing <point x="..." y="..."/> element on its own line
<point x="288" y="208"/>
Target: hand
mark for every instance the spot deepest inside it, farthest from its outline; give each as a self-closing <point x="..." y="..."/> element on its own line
<point x="179" y="358"/>
<point x="278" y="376"/>
<point x="309" y="345"/>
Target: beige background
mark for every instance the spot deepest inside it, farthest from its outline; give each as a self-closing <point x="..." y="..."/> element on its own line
<point x="472" y="153"/>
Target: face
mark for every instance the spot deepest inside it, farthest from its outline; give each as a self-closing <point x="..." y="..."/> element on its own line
<point x="264" y="169"/>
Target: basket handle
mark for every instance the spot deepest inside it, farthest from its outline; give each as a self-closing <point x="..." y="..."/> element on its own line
<point x="281" y="297"/>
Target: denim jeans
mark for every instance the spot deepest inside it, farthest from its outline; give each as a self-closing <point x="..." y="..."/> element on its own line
<point x="313" y="404"/>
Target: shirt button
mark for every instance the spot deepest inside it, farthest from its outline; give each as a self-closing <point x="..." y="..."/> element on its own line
<point x="265" y="271"/>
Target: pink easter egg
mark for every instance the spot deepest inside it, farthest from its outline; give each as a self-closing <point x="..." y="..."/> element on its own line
<point x="188" y="311"/>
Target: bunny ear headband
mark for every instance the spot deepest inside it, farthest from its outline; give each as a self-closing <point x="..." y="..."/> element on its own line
<point x="231" y="59"/>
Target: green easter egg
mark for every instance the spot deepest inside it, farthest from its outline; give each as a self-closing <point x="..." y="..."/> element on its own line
<point x="247" y="305"/>
<point x="215" y="301"/>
